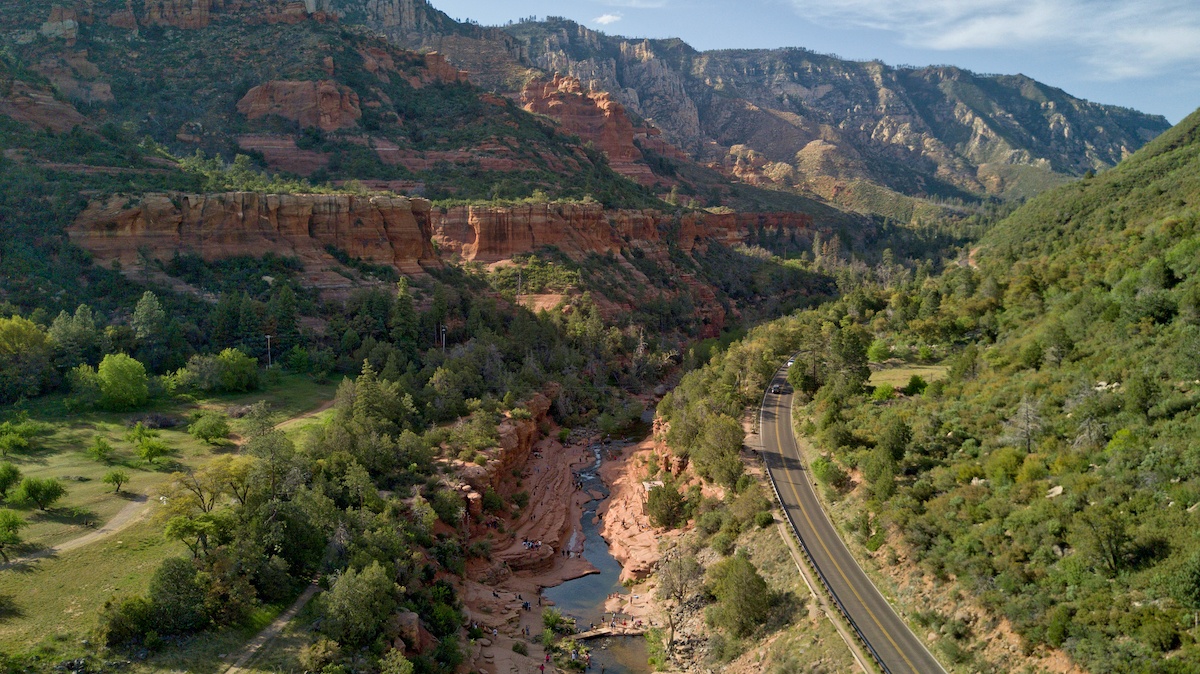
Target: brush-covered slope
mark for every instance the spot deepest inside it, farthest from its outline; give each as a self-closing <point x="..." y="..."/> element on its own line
<point x="860" y="134"/>
<point x="1054" y="477"/>
<point x="303" y="93"/>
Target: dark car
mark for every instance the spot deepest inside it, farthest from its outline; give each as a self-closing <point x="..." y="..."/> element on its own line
<point x="776" y="389"/>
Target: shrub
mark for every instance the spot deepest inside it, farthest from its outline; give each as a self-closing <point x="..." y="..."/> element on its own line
<point x="879" y="351"/>
<point x="42" y="492"/>
<point x="520" y="648"/>
<point x="764" y="519"/>
<point x="152" y="449"/>
<point x="124" y="621"/>
<point x="743" y="598"/>
<point x="723" y="543"/>
<point x="124" y="384"/>
<point x="884" y="392"/>
<point x="10" y="476"/>
<point x="916" y="386"/>
<point x="210" y="426"/>
<point x="116" y="478"/>
<point x="665" y="505"/>
<point x="100" y="450"/>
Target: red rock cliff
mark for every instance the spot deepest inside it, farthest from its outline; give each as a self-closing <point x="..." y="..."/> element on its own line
<point x="593" y="116"/>
<point x="385" y="230"/>
<point x="488" y="234"/>
<point x="324" y="104"/>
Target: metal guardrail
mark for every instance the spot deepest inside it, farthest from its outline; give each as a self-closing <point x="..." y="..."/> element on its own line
<point x="804" y="546"/>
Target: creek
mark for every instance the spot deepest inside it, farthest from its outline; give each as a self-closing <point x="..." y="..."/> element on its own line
<point x="583" y="598"/>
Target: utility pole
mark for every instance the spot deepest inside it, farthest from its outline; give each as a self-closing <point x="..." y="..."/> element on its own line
<point x="268" y="352"/>
<point x="443" y="340"/>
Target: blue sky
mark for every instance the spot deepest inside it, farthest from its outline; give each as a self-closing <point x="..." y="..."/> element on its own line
<point x="1142" y="54"/>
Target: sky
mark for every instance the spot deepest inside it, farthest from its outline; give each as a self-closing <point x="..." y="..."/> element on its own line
<point x="1141" y="54"/>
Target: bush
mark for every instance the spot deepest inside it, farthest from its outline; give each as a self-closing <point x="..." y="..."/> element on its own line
<point x="210" y="426"/>
<point x="665" y="505"/>
<point x="124" y="384"/>
<point x="42" y="492"/>
<point x="723" y="543"/>
<point x="124" y="621"/>
<point x="916" y="386"/>
<point x="884" y="392"/>
<point x="10" y="476"/>
<point x="520" y="648"/>
<point x="152" y="449"/>
<point x="100" y="450"/>
<point x="764" y="519"/>
<point x="743" y="598"/>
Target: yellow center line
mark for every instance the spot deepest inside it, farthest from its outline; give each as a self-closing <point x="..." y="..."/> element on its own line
<point x="779" y="436"/>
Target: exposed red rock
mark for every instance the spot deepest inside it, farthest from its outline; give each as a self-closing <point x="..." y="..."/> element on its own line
<point x="62" y="24"/>
<point x="595" y="117"/>
<point x="38" y="108"/>
<point x="324" y="104"/>
<point x="490" y="234"/>
<point x="282" y="154"/>
<point x="188" y="14"/>
<point x="381" y="229"/>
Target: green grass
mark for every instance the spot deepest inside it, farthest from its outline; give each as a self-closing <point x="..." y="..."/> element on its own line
<point x="61" y="453"/>
<point x="53" y="602"/>
<point x="899" y="376"/>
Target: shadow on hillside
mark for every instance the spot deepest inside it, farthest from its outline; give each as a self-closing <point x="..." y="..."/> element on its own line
<point x="9" y="608"/>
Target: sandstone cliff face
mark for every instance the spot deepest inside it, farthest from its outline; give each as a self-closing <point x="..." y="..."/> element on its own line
<point x="594" y="116"/>
<point x="487" y="234"/>
<point x="394" y="231"/>
<point x="385" y="230"/>
<point x="37" y="107"/>
<point x="324" y="104"/>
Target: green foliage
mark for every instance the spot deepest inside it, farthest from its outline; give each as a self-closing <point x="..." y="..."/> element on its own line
<point x="100" y="450"/>
<point x="116" y="478"/>
<point x="152" y="449"/>
<point x="11" y="524"/>
<point x="10" y="476"/>
<point x="210" y="426"/>
<point x="123" y="383"/>
<point x="743" y="598"/>
<point x="25" y="368"/>
<point x="665" y="506"/>
<point x="41" y="492"/>
<point x="357" y="605"/>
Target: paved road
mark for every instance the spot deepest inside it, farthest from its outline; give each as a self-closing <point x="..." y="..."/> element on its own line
<point x="900" y="651"/>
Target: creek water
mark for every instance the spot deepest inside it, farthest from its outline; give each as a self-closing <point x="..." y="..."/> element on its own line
<point x="583" y="598"/>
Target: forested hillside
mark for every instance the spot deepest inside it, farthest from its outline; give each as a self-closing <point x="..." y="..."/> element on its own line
<point x="1050" y="473"/>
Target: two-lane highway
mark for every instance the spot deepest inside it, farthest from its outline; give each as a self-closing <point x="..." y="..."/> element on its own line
<point x="893" y="643"/>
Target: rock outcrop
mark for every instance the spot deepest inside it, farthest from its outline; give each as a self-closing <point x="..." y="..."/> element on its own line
<point x="491" y="234"/>
<point x="385" y="230"/>
<point x="594" y="116"/>
<point x="37" y="107"/>
<point x="188" y="14"/>
<point x="323" y="104"/>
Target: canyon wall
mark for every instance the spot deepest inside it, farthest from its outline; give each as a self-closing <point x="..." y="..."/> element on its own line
<point x="387" y="230"/>
<point x="394" y="231"/>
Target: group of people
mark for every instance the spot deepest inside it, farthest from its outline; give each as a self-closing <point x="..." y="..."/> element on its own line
<point x="531" y="545"/>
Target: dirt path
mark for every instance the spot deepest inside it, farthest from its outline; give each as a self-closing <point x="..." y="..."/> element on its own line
<point x="271" y="631"/>
<point x="130" y="514"/>
<point x="307" y="415"/>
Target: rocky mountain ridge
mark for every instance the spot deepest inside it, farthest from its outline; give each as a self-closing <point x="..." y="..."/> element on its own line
<point x="798" y="120"/>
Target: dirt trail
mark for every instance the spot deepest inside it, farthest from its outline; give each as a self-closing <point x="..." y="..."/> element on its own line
<point x="125" y="517"/>
<point x="271" y="631"/>
<point x="130" y="514"/>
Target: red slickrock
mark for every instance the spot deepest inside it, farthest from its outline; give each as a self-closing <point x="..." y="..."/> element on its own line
<point x="324" y="104"/>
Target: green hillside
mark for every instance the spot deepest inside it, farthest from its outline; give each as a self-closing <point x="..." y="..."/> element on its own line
<point x="1013" y="444"/>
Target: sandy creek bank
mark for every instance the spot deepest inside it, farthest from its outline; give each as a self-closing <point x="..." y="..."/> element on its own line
<point x="563" y="482"/>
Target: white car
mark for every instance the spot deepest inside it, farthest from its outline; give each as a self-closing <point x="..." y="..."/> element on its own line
<point x="790" y="362"/>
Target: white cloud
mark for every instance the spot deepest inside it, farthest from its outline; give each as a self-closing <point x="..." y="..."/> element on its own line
<point x="1118" y="38"/>
<point x="606" y="19"/>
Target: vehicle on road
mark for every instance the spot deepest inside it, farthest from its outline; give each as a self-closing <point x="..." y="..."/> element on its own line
<point x="776" y="389"/>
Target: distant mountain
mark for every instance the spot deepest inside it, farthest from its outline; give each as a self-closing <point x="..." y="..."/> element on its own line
<point x="860" y="134"/>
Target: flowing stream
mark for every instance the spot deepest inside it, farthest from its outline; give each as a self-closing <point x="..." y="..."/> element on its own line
<point x="583" y="598"/>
